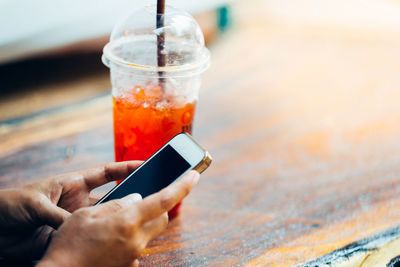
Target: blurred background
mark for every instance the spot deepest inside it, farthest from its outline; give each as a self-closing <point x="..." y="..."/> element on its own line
<point x="47" y="48"/>
<point x="50" y="52"/>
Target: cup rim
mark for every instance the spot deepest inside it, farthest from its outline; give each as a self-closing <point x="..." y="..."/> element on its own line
<point x="109" y="58"/>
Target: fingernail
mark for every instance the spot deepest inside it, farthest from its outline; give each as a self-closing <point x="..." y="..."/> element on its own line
<point x="134" y="197"/>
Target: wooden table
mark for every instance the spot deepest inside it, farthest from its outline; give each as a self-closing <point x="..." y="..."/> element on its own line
<point x="303" y="125"/>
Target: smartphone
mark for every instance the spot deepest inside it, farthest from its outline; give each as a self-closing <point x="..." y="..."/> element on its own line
<point x="178" y="156"/>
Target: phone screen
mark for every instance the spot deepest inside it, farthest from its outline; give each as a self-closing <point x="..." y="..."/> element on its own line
<point x="163" y="169"/>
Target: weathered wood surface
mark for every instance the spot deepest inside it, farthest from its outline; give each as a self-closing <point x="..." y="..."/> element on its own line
<point x="381" y="249"/>
<point x="303" y="125"/>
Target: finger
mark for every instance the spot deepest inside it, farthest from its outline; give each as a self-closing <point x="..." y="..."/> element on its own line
<point x="135" y="263"/>
<point x="98" y="176"/>
<point x="155" y="227"/>
<point x="48" y="213"/>
<point x="158" y="203"/>
<point x="115" y="205"/>
<point x="94" y="197"/>
<point x="93" y="200"/>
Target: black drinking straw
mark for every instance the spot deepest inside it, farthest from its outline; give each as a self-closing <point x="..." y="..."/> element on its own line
<point x="160" y="40"/>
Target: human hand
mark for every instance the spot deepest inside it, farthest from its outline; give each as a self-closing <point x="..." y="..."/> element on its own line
<point x="29" y="215"/>
<point x="116" y="232"/>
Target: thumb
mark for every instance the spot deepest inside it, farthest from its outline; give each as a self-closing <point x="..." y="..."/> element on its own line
<point x="50" y="214"/>
<point x="117" y="204"/>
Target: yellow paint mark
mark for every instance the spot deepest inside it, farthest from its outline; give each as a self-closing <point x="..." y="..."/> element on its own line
<point x="321" y="241"/>
<point x="382" y="256"/>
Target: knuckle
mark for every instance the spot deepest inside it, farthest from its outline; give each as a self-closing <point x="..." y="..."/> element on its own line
<point x="32" y="197"/>
<point x="126" y="226"/>
<point x="83" y="212"/>
<point x="118" y="204"/>
<point x="115" y="205"/>
<point x="36" y="201"/>
<point x="83" y="217"/>
<point x="123" y="230"/>
<point x="107" y="173"/>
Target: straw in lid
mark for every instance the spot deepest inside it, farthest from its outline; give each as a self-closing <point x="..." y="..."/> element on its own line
<point x="133" y="44"/>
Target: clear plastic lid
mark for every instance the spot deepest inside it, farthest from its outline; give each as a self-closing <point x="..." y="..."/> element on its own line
<point x="134" y="43"/>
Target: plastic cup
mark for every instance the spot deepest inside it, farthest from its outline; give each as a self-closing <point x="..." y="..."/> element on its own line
<point x="151" y="103"/>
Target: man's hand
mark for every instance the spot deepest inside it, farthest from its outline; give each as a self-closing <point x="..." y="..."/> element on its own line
<point x="116" y="232"/>
<point x="29" y="215"/>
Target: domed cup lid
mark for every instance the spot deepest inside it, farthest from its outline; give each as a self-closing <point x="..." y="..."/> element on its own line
<point x="133" y="44"/>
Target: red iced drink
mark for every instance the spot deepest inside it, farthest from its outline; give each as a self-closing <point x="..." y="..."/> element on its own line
<point x="144" y="120"/>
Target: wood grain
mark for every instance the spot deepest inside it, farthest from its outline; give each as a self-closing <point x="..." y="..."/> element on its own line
<point x="302" y="123"/>
<point x="384" y="246"/>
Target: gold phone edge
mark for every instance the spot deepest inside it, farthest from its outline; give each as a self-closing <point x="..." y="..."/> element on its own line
<point x="205" y="162"/>
<point x="203" y="165"/>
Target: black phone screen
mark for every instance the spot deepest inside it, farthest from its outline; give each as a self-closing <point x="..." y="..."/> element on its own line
<point x="152" y="176"/>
